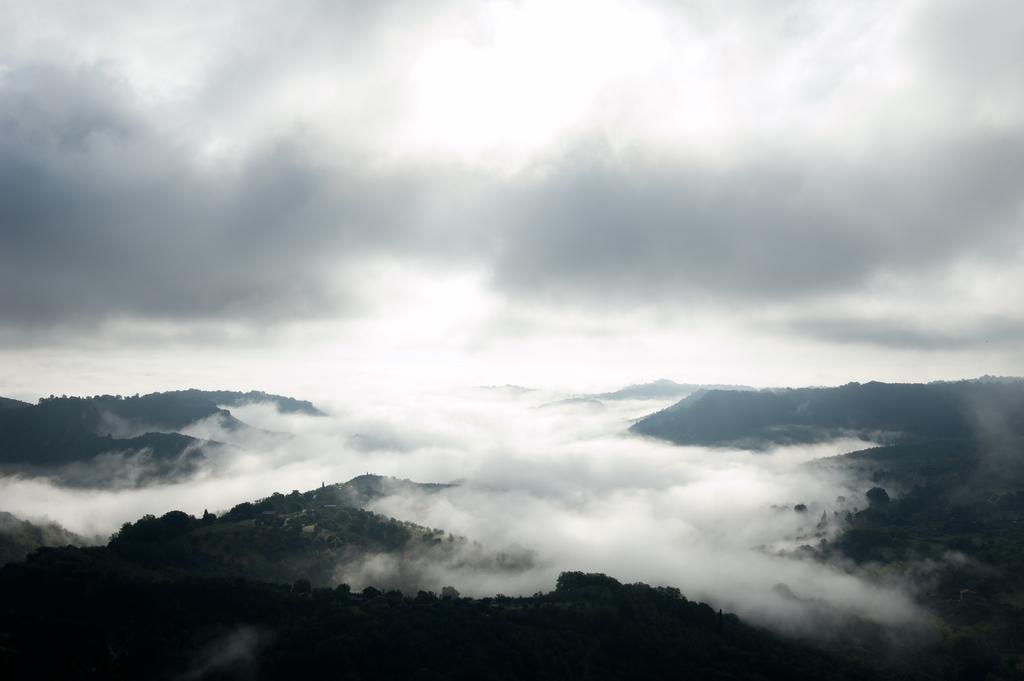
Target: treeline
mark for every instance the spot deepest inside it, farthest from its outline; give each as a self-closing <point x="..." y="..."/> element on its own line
<point x="81" y="398"/>
<point x="64" y="618"/>
<point x="954" y="529"/>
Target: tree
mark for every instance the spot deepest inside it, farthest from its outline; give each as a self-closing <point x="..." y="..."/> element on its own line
<point x="878" y="498"/>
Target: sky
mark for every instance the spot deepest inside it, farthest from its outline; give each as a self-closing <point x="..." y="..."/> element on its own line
<point x="296" y="196"/>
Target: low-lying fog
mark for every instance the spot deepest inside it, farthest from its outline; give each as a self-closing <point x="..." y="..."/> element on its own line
<point x="561" y="479"/>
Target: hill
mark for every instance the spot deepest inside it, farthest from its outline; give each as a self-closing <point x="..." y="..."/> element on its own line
<point x="879" y="411"/>
<point x="659" y="390"/>
<point x="18" y="537"/>
<point x="321" y="536"/>
<point x="110" y="440"/>
<point x="63" y="617"/>
<point x="364" y="489"/>
<point x="8" y="403"/>
<point x="946" y="516"/>
<point x="234" y="398"/>
<point x="107" y="439"/>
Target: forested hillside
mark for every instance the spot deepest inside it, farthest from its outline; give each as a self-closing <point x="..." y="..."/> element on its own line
<point x="876" y="411"/>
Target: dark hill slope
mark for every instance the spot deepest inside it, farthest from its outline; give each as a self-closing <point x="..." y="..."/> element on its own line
<point x="955" y="495"/>
<point x="8" y="403"/>
<point x="107" y="440"/>
<point x="58" y="428"/>
<point x="62" y="617"/>
<point x="59" y="437"/>
<point x="903" y="412"/>
<point x="163" y="411"/>
<point x="948" y="517"/>
<point x="317" y="535"/>
<point x="235" y="398"/>
<point x="108" y="414"/>
<point x="18" y="537"/>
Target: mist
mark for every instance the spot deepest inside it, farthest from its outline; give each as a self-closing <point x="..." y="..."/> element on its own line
<point x="541" y="486"/>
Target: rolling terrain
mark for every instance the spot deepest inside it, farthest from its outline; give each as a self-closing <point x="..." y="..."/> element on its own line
<point x="292" y="582"/>
<point x="94" y="441"/>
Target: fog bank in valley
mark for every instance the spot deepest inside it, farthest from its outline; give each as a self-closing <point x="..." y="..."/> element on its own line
<point x="559" y="483"/>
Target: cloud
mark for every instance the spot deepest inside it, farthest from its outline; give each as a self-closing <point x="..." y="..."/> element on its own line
<point x="103" y="217"/>
<point x="775" y="229"/>
<point x="975" y="51"/>
<point x="235" y="652"/>
<point x="262" y="185"/>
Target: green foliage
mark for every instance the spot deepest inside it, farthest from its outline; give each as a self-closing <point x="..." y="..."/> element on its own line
<point x="955" y="531"/>
<point x="586" y="582"/>
<point x="283" y="537"/>
<point x="63" y="616"/>
<point x="878" y="498"/>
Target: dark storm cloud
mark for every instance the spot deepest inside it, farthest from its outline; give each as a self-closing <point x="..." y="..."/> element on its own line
<point x="109" y="210"/>
<point x="770" y="230"/>
<point x="101" y="216"/>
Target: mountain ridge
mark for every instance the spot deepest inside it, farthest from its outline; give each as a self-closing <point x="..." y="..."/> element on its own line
<point x="875" y="411"/>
